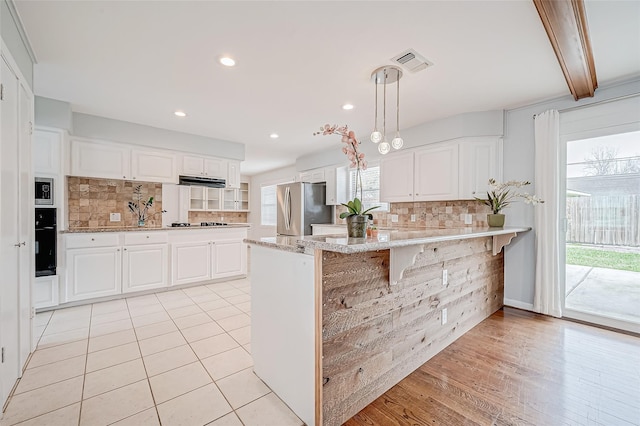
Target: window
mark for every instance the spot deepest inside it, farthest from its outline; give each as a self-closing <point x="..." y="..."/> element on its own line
<point x="370" y="188"/>
<point x="268" y="205"/>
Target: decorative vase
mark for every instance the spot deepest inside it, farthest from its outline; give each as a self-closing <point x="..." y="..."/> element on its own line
<point x="141" y="222"/>
<point x="357" y="226"/>
<point x="495" y="220"/>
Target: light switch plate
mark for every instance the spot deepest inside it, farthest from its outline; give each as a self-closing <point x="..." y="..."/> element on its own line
<point x="114" y="217"/>
<point x="468" y="219"/>
<point x="445" y="277"/>
<point x="413" y="218"/>
<point x="394" y="218"/>
<point x="444" y="316"/>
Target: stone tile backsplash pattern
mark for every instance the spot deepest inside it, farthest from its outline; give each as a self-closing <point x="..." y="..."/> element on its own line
<point x="226" y="217"/>
<point x="92" y="200"/>
<point x="429" y="214"/>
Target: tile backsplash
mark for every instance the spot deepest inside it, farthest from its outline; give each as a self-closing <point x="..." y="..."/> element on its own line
<point x="429" y="214"/>
<point x="227" y="217"/>
<point x="92" y="200"/>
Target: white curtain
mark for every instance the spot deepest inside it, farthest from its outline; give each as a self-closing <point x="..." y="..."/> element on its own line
<point x="547" y="297"/>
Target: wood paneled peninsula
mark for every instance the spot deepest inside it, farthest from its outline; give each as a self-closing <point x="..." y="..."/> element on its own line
<point x="337" y="321"/>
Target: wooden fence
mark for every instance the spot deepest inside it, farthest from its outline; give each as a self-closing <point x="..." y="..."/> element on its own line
<point x="613" y="220"/>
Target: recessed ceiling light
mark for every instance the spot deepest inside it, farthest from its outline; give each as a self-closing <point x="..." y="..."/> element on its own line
<point x="274" y="136"/>
<point x="180" y="113"/>
<point x="347" y="106"/>
<point x="227" y="61"/>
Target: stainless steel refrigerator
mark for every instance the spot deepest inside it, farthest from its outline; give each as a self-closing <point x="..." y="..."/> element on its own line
<point x="299" y="205"/>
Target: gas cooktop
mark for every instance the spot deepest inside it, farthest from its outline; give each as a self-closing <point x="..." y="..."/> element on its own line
<point x="184" y="224"/>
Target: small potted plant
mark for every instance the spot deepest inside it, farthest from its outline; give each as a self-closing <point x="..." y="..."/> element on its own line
<point x="139" y="207"/>
<point x="501" y="195"/>
<point x="356" y="217"/>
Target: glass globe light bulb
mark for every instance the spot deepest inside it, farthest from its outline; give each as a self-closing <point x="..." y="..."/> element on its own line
<point x="384" y="148"/>
<point x="397" y="142"/>
<point x="376" y="136"/>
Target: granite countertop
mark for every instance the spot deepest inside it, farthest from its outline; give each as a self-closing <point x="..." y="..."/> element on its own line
<point x="157" y="228"/>
<point x="385" y="240"/>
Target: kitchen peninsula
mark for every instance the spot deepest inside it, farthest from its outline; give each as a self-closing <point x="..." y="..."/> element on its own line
<point x="337" y="321"/>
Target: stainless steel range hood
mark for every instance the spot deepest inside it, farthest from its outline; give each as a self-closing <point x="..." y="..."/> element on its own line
<point x="202" y="181"/>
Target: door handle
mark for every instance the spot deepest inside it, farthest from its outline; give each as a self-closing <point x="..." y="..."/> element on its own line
<point x="24" y="243"/>
<point x="287" y="208"/>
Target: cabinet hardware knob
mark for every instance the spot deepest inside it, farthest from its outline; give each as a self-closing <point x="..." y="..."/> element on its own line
<point x="124" y="250"/>
<point x="147" y="236"/>
<point x="124" y="177"/>
<point x="117" y="249"/>
<point x="93" y="239"/>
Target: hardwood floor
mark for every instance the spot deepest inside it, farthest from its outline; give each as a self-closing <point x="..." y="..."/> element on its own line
<point x="520" y="368"/>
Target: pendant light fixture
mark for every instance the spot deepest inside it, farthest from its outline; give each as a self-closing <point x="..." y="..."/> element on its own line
<point x="384" y="76"/>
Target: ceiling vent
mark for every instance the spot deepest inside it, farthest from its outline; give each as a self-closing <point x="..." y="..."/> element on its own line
<point x="412" y="61"/>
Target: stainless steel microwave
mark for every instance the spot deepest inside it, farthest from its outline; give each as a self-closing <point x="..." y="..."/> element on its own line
<point x="44" y="191"/>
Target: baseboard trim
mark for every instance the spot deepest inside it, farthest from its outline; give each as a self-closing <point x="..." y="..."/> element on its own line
<point x="518" y="304"/>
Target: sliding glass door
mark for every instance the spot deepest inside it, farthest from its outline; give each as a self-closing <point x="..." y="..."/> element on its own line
<point x="602" y="262"/>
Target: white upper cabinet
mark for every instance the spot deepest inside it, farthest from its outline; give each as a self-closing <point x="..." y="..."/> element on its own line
<point x="101" y="160"/>
<point x="193" y="165"/>
<point x="436" y="173"/>
<point x="480" y="159"/>
<point x="233" y="175"/>
<point x="47" y="152"/>
<point x="313" y="176"/>
<point x="337" y="179"/>
<point x="153" y="166"/>
<point x="396" y="178"/>
<point x="456" y="170"/>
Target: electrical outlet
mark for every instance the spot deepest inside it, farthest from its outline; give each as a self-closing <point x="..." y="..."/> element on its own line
<point x="394" y="218"/>
<point x="114" y="217"/>
<point x="413" y="218"/>
<point x="445" y="277"/>
<point x="468" y="219"/>
<point x="444" y="316"/>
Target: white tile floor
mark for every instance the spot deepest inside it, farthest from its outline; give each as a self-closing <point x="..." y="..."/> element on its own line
<point x="180" y="357"/>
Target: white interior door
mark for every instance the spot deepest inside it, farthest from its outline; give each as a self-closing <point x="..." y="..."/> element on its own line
<point x="25" y="220"/>
<point x="9" y="234"/>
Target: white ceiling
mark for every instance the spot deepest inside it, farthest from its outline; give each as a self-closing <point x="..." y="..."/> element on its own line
<point x="298" y="62"/>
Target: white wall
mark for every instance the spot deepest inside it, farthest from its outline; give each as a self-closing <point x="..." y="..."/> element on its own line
<point x="53" y="113"/>
<point x="257" y="181"/>
<point x="519" y="165"/>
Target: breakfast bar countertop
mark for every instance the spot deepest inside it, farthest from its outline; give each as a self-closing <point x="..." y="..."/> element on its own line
<point x="385" y="240"/>
<point x="155" y="228"/>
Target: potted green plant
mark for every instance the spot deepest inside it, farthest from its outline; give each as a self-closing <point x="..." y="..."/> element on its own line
<point x="356" y="217"/>
<point x="501" y="195"/>
<point x="140" y="207"/>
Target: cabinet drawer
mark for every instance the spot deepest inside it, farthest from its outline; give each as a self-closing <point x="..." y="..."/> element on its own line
<point x="135" y="238"/>
<point x="92" y="240"/>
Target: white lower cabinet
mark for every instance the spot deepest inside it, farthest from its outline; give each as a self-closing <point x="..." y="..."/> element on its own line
<point x="229" y="258"/>
<point x="208" y="260"/>
<point x="93" y="272"/>
<point x="112" y="263"/>
<point x="190" y="262"/>
<point x="45" y="292"/>
<point x="145" y="267"/>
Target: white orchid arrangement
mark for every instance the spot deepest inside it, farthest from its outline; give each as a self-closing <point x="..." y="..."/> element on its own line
<point x="357" y="161"/>
<point x="501" y="195"/>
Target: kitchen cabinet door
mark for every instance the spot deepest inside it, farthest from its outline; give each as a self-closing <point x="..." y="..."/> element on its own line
<point x="436" y="173"/>
<point x="480" y="159"/>
<point x="192" y="165"/>
<point x="337" y="179"/>
<point x="47" y="149"/>
<point x="45" y="292"/>
<point x="229" y="258"/>
<point x="233" y="175"/>
<point x="396" y="178"/>
<point x="190" y="262"/>
<point x="153" y="166"/>
<point x="216" y="168"/>
<point x="93" y="272"/>
<point x="145" y="267"/>
<point x="95" y="159"/>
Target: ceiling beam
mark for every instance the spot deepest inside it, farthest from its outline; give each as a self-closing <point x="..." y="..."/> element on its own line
<point x="566" y="25"/>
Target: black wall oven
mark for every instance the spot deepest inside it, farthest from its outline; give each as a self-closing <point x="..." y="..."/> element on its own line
<point x="45" y="242"/>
